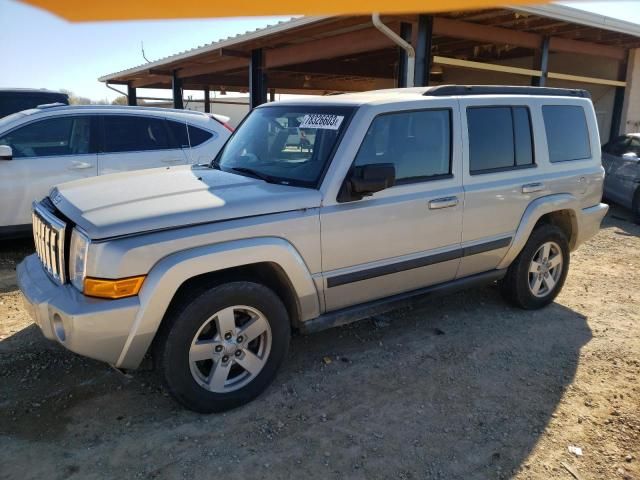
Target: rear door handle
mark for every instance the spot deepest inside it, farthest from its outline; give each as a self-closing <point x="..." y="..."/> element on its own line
<point x="80" y="165"/>
<point x="445" y="202"/>
<point x="532" y="187"/>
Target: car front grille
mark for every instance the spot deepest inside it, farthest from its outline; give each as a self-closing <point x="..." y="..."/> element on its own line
<point x="48" y="235"/>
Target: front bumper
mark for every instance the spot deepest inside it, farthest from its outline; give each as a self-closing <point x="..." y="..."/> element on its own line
<point x="92" y="327"/>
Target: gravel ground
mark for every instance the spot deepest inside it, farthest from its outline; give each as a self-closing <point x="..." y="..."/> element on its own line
<point x="459" y="387"/>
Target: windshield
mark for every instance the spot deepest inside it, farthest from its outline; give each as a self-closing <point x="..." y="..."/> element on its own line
<point x="285" y="144"/>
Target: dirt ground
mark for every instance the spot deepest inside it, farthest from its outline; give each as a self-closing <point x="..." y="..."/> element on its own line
<point x="458" y="387"/>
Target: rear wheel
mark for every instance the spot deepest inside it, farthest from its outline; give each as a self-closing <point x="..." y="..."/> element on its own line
<point x="635" y="206"/>
<point x="223" y="348"/>
<point x="537" y="275"/>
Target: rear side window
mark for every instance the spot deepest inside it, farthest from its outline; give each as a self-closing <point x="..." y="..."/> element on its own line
<point x="128" y="133"/>
<point x="196" y="136"/>
<point x="567" y="132"/>
<point x="418" y="143"/>
<point x="499" y="138"/>
<point x="179" y="133"/>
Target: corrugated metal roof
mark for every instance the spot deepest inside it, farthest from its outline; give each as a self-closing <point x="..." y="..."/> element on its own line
<point x="224" y="43"/>
<point x="575" y="15"/>
<point x="559" y="12"/>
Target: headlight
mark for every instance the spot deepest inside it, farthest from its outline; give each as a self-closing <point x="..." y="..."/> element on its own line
<point x="78" y="258"/>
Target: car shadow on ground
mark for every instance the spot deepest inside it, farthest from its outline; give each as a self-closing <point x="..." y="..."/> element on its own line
<point x="621" y="218"/>
<point x="456" y="387"/>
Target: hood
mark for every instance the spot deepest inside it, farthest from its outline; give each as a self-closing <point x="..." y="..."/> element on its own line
<point x="146" y="200"/>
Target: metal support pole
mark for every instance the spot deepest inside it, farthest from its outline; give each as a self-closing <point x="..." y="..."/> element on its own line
<point x="618" y="103"/>
<point x="543" y="64"/>
<point x="207" y="101"/>
<point x="423" y="50"/>
<point x="132" y="98"/>
<point x="257" y="80"/>
<point x="405" y="33"/>
<point x="176" y="87"/>
<point x="272" y="94"/>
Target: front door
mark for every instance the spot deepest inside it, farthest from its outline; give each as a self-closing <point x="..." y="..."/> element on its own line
<point x="45" y="153"/>
<point x="404" y="237"/>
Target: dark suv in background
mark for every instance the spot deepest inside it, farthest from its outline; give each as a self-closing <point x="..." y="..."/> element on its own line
<point x="14" y="100"/>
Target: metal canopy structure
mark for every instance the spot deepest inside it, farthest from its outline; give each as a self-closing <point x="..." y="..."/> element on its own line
<point x="324" y="55"/>
<point x="328" y="54"/>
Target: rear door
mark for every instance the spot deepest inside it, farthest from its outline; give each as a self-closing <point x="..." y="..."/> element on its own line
<point x="45" y="153"/>
<point x="135" y="142"/>
<point x="501" y="177"/>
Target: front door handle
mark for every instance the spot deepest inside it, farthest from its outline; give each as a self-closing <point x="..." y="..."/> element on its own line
<point x="171" y="160"/>
<point x="445" y="202"/>
<point x="80" y="165"/>
<point x="532" y="187"/>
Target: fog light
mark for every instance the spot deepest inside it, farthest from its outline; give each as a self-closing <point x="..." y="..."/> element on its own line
<point x="58" y="327"/>
<point x="104" y="288"/>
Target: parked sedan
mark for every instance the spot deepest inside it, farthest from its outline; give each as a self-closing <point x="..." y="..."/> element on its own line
<point x="621" y="161"/>
<point x="49" y="145"/>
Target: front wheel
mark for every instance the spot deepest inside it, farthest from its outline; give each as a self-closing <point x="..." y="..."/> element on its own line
<point x="537" y="275"/>
<point x="223" y="348"/>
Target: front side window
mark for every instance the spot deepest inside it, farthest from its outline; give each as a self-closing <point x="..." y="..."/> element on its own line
<point x="499" y="138"/>
<point x="285" y="144"/>
<point x="68" y="135"/>
<point x="417" y="143"/>
<point x="129" y="133"/>
<point x="567" y="132"/>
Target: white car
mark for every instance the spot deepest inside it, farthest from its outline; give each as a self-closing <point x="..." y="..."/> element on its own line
<point x="53" y="144"/>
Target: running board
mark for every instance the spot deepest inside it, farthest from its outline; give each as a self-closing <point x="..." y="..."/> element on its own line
<point x="348" y="315"/>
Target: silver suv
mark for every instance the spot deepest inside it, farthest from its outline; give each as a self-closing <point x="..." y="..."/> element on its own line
<point x="315" y="213"/>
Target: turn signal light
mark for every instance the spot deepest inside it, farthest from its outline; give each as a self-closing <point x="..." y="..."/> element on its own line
<point x="104" y="288"/>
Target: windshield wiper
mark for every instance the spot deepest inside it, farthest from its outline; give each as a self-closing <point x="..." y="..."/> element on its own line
<point x="256" y="174"/>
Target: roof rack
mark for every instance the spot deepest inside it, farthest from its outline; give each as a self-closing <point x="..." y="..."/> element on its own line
<point x="51" y="105"/>
<point x="460" y="90"/>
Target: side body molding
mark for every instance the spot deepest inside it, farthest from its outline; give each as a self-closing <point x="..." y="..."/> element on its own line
<point x="536" y="209"/>
<point x="168" y="274"/>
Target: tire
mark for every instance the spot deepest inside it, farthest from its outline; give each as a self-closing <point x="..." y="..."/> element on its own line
<point x="518" y="285"/>
<point x="204" y="371"/>
<point x="635" y="207"/>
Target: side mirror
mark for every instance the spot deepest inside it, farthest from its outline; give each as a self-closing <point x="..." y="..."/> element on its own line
<point x="630" y="156"/>
<point x="368" y="179"/>
<point x="6" y="153"/>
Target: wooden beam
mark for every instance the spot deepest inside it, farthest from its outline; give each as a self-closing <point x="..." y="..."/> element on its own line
<point x="232" y="63"/>
<point x="331" y="47"/>
<point x="482" y="33"/>
<point x="581" y="79"/>
<point x="151" y="80"/>
<point x="565" y="45"/>
<point x="454" y="62"/>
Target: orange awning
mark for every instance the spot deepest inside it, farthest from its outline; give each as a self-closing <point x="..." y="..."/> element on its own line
<point x="99" y="10"/>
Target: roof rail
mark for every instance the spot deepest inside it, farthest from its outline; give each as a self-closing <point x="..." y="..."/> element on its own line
<point x="51" y="105"/>
<point x="460" y="90"/>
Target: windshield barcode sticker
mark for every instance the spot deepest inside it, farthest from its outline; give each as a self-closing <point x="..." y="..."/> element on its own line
<point x="327" y="122"/>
